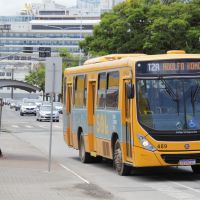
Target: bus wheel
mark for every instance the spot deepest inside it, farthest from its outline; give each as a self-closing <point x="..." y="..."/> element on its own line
<point x="119" y="166"/>
<point x="84" y="156"/>
<point x="196" y="169"/>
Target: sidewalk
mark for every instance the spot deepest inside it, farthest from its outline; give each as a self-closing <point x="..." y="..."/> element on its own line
<point x="24" y="176"/>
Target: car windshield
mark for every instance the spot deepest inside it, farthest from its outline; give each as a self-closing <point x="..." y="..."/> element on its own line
<point x="57" y="104"/>
<point x="169" y="104"/>
<point x="46" y="108"/>
<point x="29" y="104"/>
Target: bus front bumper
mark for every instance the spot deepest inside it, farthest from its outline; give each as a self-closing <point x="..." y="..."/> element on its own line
<point x="145" y="158"/>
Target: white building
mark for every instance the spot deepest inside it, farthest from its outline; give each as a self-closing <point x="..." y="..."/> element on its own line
<point x="100" y="5"/>
<point x="42" y="25"/>
<point x="45" y="24"/>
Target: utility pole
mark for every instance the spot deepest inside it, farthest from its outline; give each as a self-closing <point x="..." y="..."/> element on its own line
<point x="12" y="77"/>
<point x="81" y="30"/>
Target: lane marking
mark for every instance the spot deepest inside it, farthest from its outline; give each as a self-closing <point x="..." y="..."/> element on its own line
<point x="169" y="190"/>
<point x="57" y="126"/>
<point x="42" y="126"/>
<point x="189" y="188"/>
<point x="69" y="170"/>
<point x="27" y="126"/>
<point x="15" y="126"/>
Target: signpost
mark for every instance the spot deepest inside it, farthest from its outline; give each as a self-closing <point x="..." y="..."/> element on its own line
<point x="53" y="81"/>
<point x="1" y="105"/>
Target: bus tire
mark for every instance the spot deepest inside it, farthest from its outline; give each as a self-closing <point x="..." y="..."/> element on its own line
<point x="121" y="168"/>
<point x="196" y="169"/>
<point x="84" y="156"/>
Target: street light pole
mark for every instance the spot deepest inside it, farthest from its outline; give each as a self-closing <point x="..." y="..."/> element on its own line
<point x="81" y="30"/>
<point x="12" y="77"/>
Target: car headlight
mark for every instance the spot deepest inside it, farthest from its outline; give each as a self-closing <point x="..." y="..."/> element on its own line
<point x="145" y="143"/>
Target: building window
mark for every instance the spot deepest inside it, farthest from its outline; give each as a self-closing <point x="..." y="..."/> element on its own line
<point x="101" y="94"/>
<point x="8" y="73"/>
<point x="112" y="90"/>
<point x="2" y="73"/>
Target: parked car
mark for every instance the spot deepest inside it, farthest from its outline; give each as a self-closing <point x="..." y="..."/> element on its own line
<point x="58" y="106"/>
<point x="44" y="114"/>
<point x="28" y="108"/>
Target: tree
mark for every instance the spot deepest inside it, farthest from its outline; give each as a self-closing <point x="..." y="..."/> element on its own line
<point x="37" y="77"/>
<point x="144" y="26"/>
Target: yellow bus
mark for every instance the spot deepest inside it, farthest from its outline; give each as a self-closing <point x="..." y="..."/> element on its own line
<point x="138" y="110"/>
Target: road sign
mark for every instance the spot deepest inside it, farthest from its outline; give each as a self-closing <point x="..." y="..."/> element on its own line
<point x="53" y="81"/>
<point x="53" y="75"/>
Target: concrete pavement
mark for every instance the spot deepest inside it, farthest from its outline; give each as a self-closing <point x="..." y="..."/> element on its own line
<point x="24" y="175"/>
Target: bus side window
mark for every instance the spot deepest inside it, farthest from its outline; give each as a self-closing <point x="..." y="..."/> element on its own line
<point x="101" y="94"/>
<point x="79" y="91"/>
<point x="85" y="91"/>
<point x="112" y="90"/>
<point x="64" y="91"/>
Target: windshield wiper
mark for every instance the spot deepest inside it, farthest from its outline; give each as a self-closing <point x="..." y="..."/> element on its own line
<point x="194" y="97"/>
<point x="171" y="93"/>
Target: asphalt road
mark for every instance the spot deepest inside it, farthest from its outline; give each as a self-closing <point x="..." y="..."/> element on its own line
<point x="151" y="183"/>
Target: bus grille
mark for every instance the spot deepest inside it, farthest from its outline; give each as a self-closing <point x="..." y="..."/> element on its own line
<point x="176" y="137"/>
<point x="174" y="158"/>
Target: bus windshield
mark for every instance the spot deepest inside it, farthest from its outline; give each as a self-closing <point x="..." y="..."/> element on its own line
<point x="169" y="104"/>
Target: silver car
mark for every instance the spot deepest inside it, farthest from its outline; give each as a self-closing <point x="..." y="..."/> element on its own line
<point x="58" y="106"/>
<point x="28" y="108"/>
<point x="44" y="114"/>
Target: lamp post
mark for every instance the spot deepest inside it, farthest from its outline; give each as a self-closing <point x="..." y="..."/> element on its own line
<point x="12" y="77"/>
<point x="81" y="32"/>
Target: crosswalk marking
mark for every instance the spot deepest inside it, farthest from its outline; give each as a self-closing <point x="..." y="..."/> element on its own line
<point x="15" y="126"/>
<point x="42" y="126"/>
<point x="21" y="126"/>
<point x="27" y="126"/>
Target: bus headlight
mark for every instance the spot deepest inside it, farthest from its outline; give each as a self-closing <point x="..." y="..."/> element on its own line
<point x="145" y="143"/>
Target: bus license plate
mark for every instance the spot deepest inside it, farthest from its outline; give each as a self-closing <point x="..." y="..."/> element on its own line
<point x="187" y="162"/>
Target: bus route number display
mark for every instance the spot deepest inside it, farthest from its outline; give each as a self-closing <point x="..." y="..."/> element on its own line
<point x="168" y="67"/>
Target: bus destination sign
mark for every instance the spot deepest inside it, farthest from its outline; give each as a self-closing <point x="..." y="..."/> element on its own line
<point x="168" y="67"/>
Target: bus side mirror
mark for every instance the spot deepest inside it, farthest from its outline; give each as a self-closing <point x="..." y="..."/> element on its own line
<point x="130" y="90"/>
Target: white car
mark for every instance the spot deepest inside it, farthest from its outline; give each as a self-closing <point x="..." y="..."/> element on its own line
<point x="28" y="108"/>
<point x="58" y="106"/>
<point x="44" y="114"/>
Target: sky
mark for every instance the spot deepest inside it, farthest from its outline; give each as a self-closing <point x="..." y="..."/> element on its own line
<point x="12" y="7"/>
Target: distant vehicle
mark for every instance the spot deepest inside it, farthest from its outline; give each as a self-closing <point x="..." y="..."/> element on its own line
<point x="58" y="106"/>
<point x="44" y="114"/>
<point x="12" y="104"/>
<point x="28" y="108"/>
<point x="18" y="105"/>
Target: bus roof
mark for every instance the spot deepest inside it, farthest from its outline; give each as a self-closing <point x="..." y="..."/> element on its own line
<point x="114" y="61"/>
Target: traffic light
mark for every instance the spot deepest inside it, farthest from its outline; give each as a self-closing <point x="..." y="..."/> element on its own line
<point x="44" y="52"/>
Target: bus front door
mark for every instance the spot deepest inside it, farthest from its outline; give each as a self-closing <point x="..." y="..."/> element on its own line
<point x="127" y="115"/>
<point x="91" y="115"/>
